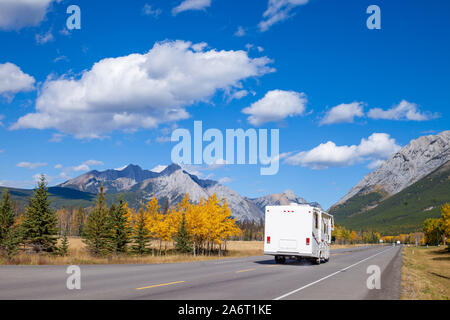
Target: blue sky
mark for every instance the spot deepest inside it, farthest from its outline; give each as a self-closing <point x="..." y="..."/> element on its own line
<point x="317" y="74"/>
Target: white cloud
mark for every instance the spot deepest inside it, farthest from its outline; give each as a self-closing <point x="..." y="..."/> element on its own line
<point x="277" y="11"/>
<point x="139" y="90"/>
<point x="375" y="164"/>
<point x="240" y="32"/>
<point x="344" y="113"/>
<point x="149" y="11"/>
<point x="13" y="80"/>
<point x="378" y="147"/>
<point x="162" y="139"/>
<point x="37" y="177"/>
<point x="219" y="163"/>
<point x="30" y="165"/>
<point x="61" y="58"/>
<point x="58" y="166"/>
<point x="187" y="5"/>
<point x="159" y="168"/>
<point x="403" y="111"/>
<point x="64" y="32"/>
<point x="94" y="163"/>
<point x="238" y="95"/>
<point x="44" y="38"/>
<point x="225" y="180"/>
<point x="81" y="167"/>
<point x="85" y="166"/>
<point x="17" y="14"/>
<point x="57" y="137"/>
<point x="275" y="106"/>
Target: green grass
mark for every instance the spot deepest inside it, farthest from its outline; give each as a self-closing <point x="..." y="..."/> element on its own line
<point x="403" y="212"/>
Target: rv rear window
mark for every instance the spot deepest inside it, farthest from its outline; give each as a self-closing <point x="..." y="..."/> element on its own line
<point x="316" y="220"/>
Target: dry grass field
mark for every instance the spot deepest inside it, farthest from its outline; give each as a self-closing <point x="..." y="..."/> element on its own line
<point x="77" y="254"/>
<point x="425" y="273"/>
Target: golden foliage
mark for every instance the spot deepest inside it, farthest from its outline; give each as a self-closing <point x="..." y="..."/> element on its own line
<point x="208" y="222"/>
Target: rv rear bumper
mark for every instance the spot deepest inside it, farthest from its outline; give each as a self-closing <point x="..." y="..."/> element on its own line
<point x="287" y="253"/>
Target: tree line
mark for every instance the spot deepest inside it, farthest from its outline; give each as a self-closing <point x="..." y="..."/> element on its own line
<point x="193" y="228"/>
<point x="437" y="230"/>
<point x="342" y="235"/>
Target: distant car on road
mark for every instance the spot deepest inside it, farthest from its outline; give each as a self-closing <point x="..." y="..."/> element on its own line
<point x="398" y="242"/>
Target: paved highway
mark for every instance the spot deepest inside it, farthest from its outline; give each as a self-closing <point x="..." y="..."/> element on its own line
<point x="343" y="277"/>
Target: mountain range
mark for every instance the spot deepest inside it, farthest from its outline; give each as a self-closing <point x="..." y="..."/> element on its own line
<point x="405" y="190"/>
<point x="138" y="185"/>
<point x="397" y="197"/>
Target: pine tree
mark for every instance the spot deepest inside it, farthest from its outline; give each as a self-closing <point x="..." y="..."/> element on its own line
<point x="141" y="234"/>
<point x="10" y="243"/>
<point x="64" y="245"/>
<point x="40" y="221"/>
<point x="182" y="242"/>
<point x="79" y="222"/>
<point x="97" y="231"/>
<point x="120" y="224"/>
<point x="6" y="214"/>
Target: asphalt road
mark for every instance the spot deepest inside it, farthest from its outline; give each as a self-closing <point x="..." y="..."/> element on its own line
<point x="343" y="277"/>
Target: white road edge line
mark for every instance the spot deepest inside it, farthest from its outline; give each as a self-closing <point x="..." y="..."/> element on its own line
<point x="313" y="283"/>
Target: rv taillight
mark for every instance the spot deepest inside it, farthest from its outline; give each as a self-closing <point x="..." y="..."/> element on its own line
<point x="307" y="241"/>
<point x="268" y="239"/>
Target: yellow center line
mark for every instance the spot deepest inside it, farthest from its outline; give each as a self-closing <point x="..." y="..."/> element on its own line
<point x="160" y="285"/>
<point x="245" y="270"/>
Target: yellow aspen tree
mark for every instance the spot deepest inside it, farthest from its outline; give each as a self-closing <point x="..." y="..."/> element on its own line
<point x="196" y="224"/>
<point x="445" y="216"/>
<point x="230" y="228"/>
<point x="154" y="220"/>
<point x="353" y="237"/>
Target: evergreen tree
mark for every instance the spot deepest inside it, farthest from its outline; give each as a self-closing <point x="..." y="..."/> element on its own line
<point x="183" y="242"/>
<point x="97" y="231"/>
<point x="141" y="234"/>
<point x="6" y="214"/>
<point x="120" y="224"/>
<point x="64" y="245"/>
<point x="80" y="217"/>
<point x="10" y="243"/>
<point x="40" y="221"/>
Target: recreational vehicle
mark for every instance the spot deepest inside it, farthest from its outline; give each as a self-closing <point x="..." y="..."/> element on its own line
<point x="298" y="231"/>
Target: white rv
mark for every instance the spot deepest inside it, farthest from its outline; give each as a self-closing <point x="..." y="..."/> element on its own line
<point x="299" y="231"/>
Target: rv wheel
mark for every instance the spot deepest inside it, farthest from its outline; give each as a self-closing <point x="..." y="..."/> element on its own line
<point x="280" y="259"/>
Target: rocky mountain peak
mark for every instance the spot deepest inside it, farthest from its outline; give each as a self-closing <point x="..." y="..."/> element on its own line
<point x="172" y="184"/>
<point x="414" y="161"/>
<point x="171" y="169"/>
